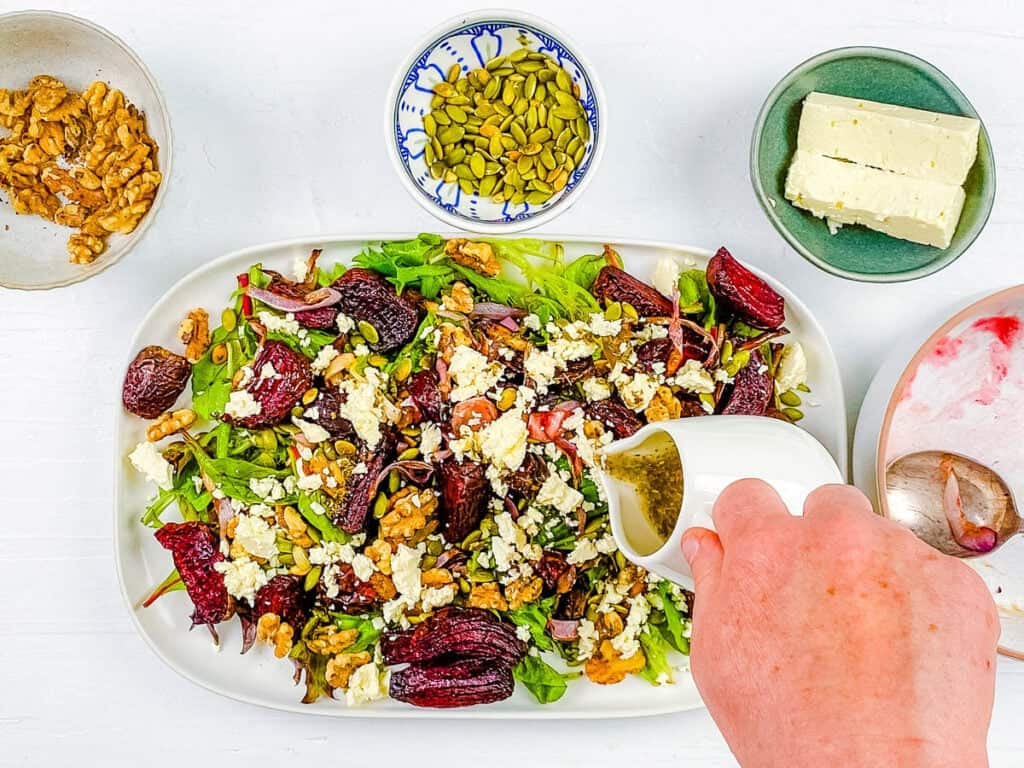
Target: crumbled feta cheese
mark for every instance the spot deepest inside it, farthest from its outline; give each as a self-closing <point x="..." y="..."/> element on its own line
<point x="523" y="633"/>
<point x="504" y="554"/>
<point x="503" y="441"/>
<point x="596" y="389"/>
<point x="331" y="552"/>
<point x="541" y="367"/>
<point x="255" y="536"/>
<point x="268" y="371"/>
<point x="269" y="489"/>
<point x="530" y="521"/>
<point x="287" y="324"/>
<point x="360" y="468"/>
<point x="723" y="376"/>
<point x="472" y="373"/>
<point x="430" y="439"/>
<point x="555" y="492"/>
<point x="241" y="404"/>
<point x="566" y="350"/>
<point x="345" y="323"/>
<point x="314" y="433"/>
<point x="310" y="482"/>
<point x="437" y="597"/>
<point x="531" y="322"/>
<point x="262" y="510"/>
<point x="606" y="544"/>
<point x="627" y="642"/>
<point x="601" y="326"/>
<point x="242" y="577"/>
<point x="363" y="567"/>
<point x="666" y="275"/>
<point x="638" y="390"/>
<point x="299" y="269"/>
<point x="792" y="369"/>
<point x="588" y="637"/>
<point x="364" y="685"/>
<point x="324" y="358"/>
<point x="149" y="461"/>
<point x="365" y="405"/>
<point x="694" y="378"/>
<point x="405" y="571"/>
<point x="583" y="552"/>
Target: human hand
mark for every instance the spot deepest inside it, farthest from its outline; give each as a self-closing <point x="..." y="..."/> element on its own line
<point x="839" y="638"/>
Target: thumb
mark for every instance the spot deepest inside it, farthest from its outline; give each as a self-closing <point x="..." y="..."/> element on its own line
<point x="703" y="551"/>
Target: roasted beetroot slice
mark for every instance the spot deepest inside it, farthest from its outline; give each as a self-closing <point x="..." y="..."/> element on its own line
<point x="464" y="494"/>
<point x="153" y="381"/>
<point x="556" y="571"/>
<point x="352" y="596"/>
<point x="527" y="480"/>
<point x="614" y="284"/>
<point x="193" y="547"/>
<point x="366" y="295"/>
<point x="425" y="394"/>
<point x="351" y="516"/>
<point x="744" y="293"/>
<point x="322" y="319"/>
<point x="328" y="413"/>
<point x="284" y="595"/>
<point x="460" y="684"/>
<point x="622" y="421"/>
<point x="658" y="350"/>
<point x="751" y="390"/>
<point x="276" y="394"/>
<point x="455" y="633"/>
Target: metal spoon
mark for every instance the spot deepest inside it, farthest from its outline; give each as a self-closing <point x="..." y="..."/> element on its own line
<point x="957" y="505"/>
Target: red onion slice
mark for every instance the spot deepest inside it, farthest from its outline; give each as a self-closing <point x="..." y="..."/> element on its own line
<point x="324" y="297"/>
<point x="492" y="310"/>
<point x="414" y="470"/>
<point x="565" y="630"/>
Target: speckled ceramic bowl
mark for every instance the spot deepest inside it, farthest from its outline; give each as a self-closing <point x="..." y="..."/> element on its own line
<point x="878" y="74"/>
<point x="470" y="41"/>
<point x="33" y="253"/>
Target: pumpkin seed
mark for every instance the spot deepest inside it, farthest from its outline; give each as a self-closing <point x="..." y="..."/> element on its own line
<point x="613" y="311"/>
<point x="436" y="102"/>
<point x="790" y="398"/>
<point x="440" y="117"/>
<point x="492" y="88"/>
<point x="565" y="99"/>
<point x="630" y="311"/>
<point x="563" y="81"/>
<point x="566" y="113"/>
<point x="344" y="448"/>
<point x="530" y="86"/>
<point x="528" y="67"/>
<point x="518" y="198"/>
<point x="453" y="73"/>
<point x="310" y="395"/>
<point x="456" y="113"/>
<point x="312" y="578"/>
<point x="518" y="55"/>
<point x="394" y="482"/>
<point x="409" y="453"/>
<point x="524" y="164"/>
<point x="531" y="119"/>
<point x="494" y="63"/>
<point x="541" y="186"/>
<point x="583" y="128"/>
<point x="793" y="414"/>
<point x="456" y="156"/>
<point x="477" y="164"/>
<point x="517" y="133"/>
<point x="368" y="332"/>
<point x="466" y="186"/>
<point x="481" y="142"/>
<point x="403" y="369"/>
<point x="451" y="134"/>
<point x="487" y="185"/>
<point x="380" y="506"/>
<point x="533" y="148"/>
<point x="228" y="320"/>
<point x="482" y="76"/>
<point x="502" y="109"/>
<point x="726" y="354"/>
<point x="508" y="95"/>
<point x="537" y="197"/>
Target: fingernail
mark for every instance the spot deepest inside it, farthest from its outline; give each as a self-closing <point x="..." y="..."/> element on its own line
<point x="691" y="545"/>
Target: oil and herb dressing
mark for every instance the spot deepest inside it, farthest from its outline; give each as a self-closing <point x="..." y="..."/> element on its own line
<point x="656" y="474"/>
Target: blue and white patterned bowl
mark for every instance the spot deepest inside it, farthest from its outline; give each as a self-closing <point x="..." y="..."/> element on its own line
<point x="471" y="40"/>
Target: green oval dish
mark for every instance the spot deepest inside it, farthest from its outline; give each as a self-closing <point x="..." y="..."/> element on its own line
<point x="877" y="74"/>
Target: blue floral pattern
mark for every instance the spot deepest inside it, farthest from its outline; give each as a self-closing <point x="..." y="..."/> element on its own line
<point x="471" y="46"/>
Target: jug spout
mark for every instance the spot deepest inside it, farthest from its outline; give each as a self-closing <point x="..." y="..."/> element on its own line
<point x="675" y="470"/>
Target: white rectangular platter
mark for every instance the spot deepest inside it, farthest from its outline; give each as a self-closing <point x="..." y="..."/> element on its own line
<point x="258" y="677"/>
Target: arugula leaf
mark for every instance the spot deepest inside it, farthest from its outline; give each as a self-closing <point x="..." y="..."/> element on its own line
<point x="326" y="277"/>
<point x="368" y="634"/>
<point x="673" y="620"/>
<point x="497" y="289"/>
<point x="694" y="291"/>
<point x="151" y="517"/>
<point x="320" y="521"/>
<point x="232" y="475"/>
<point x="534" y="616"/>
<point x="654" y="646"/>
<point x="583" y="271"/>
<point x="540" y="678"/>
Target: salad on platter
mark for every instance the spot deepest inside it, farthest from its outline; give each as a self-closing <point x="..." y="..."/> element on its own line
<point x="387" y="470"/>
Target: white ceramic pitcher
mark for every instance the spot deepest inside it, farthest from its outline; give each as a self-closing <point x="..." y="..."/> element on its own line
<point x="714" y="452"/>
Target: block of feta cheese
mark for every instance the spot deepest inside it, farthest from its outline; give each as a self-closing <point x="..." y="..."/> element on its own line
<point x="918" y="210"/>
<point x="912" y="142"/>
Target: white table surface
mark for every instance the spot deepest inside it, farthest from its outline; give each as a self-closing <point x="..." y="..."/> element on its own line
<point x="278" y="123"/>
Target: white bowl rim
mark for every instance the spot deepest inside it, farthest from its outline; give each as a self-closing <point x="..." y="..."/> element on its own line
<point x="166" y="151"/>
<point x="438" y="33"/>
